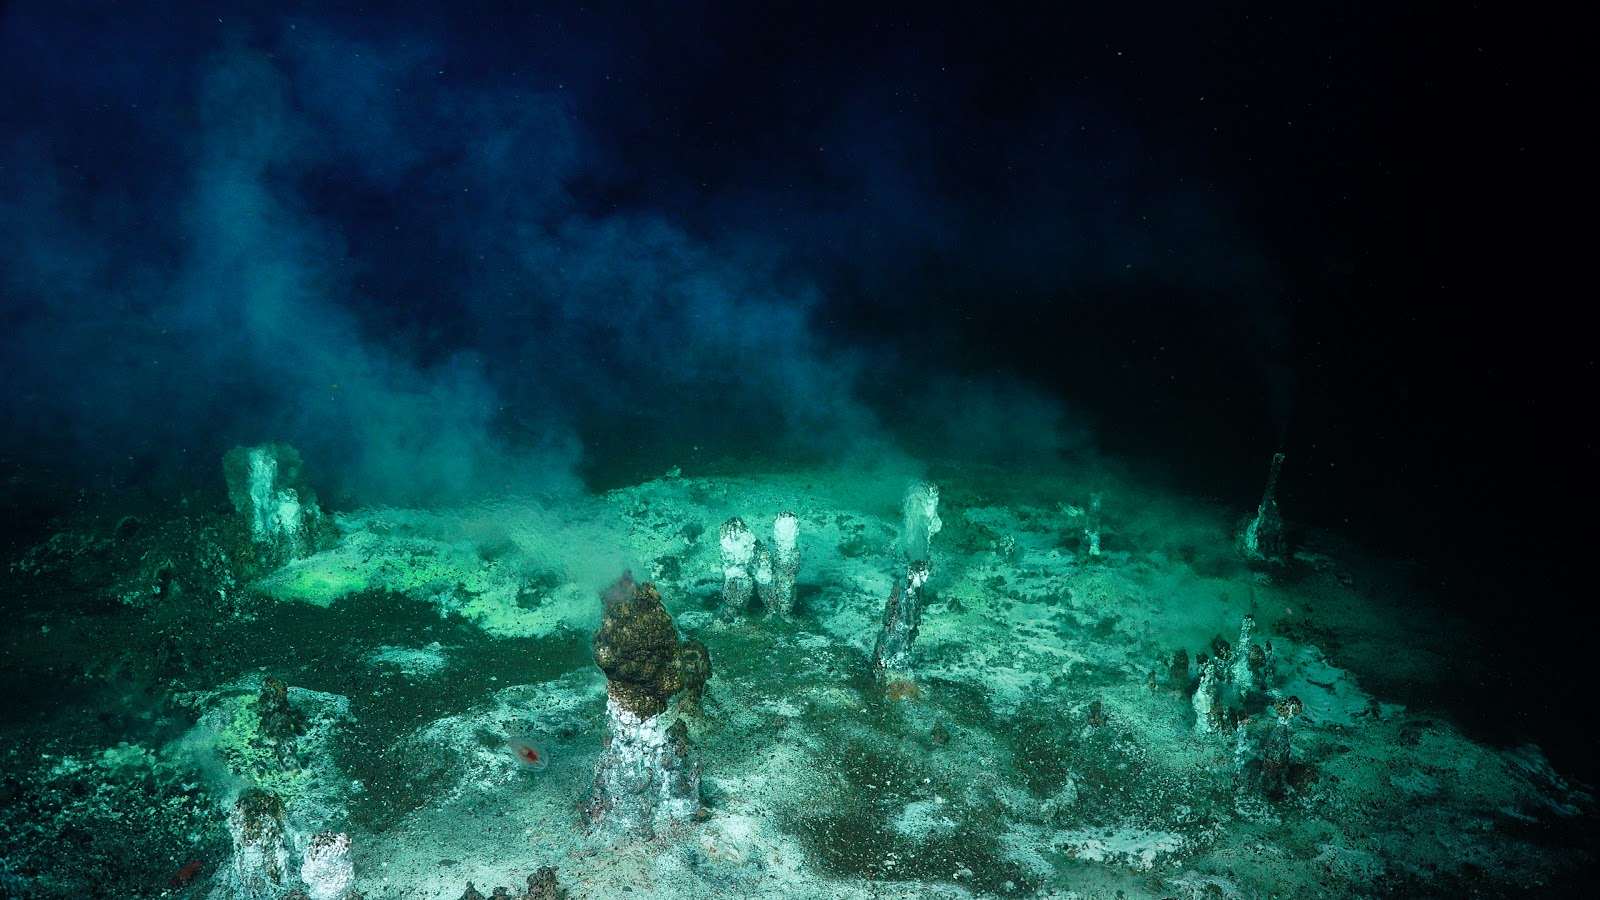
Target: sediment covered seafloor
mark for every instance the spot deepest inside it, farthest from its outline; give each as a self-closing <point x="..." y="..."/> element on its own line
<point x="1105" y="695"/>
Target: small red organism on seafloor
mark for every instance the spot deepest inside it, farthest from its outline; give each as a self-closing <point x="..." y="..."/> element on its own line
<point x="185" y="874"/>
<point x="526" y="751"/>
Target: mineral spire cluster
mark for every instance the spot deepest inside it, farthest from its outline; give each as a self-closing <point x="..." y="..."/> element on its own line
<point x="751" y="565"/>
<point x="280" y="511"/>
